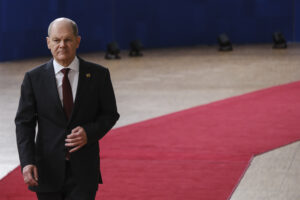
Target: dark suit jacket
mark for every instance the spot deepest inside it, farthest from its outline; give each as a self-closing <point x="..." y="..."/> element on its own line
<point x="94" y="109"/>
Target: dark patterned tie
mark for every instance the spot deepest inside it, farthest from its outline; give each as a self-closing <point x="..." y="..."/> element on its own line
<point x="67" y="93"/>
<point x="67" y="100"/>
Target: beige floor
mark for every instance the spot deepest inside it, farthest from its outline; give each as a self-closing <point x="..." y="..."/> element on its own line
<point x="168" y="80"/>
<point x="272" y="176"/>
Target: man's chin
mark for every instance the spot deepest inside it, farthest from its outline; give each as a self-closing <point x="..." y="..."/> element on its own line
<point x="63" y="59"/>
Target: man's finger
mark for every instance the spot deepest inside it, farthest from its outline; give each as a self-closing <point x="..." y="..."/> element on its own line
<point x="75" y="149"/>
<point x="71" y="136"/>
<point x="74" y="135"/>
<point x="32" y="182"/>
<point x="35" y="174"/>
<point x="74" y="130"/>
<point x="73" y="144"/>
<point x="73" y="140"/>
<point x="28" y="179"/>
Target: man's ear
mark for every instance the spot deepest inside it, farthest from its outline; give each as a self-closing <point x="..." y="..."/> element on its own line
<point x="48" y="42"/>
<point x="78" y="39"/>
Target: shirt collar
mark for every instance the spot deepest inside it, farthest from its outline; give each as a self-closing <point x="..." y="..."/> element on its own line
<point x="73" y="66"/>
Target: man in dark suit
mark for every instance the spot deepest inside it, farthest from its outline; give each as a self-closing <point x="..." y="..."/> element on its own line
<point x="73" y="104"/>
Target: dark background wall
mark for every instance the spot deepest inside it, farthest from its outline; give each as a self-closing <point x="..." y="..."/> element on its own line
<point x="157" y="23"/>
<point x="296" y="23"/>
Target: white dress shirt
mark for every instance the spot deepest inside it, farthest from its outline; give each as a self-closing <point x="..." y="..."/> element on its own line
<point x="72" y="75"/>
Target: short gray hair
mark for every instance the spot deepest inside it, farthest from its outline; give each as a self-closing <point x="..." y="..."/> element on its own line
<point x="71" y="22"/>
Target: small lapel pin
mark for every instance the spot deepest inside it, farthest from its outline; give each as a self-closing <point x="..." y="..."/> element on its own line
<point x="88" y="75"/>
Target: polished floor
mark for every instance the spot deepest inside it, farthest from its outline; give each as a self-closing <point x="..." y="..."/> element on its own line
<point x="168" y="80"/>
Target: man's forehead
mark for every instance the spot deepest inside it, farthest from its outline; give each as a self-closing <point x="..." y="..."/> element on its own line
<point x="62" y="25"/>
<point x="62" y="28"/>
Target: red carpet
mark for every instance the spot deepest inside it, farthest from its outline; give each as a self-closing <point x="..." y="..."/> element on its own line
<point x="199" y="153"/>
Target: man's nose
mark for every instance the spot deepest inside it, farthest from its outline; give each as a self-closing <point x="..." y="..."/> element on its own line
<point x="62" y="43"/>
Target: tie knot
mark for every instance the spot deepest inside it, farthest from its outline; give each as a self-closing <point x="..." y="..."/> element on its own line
<point x="65" y="71"/>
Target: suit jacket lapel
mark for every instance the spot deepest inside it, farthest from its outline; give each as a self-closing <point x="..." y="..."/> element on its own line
<point x="52" y="88"/>
<point x="82" y="83"/>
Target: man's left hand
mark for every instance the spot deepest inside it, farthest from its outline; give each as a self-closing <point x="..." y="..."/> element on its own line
<point x="76" y="139"/>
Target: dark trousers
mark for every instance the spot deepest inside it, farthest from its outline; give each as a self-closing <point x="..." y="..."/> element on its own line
<point x="70" y="190"/>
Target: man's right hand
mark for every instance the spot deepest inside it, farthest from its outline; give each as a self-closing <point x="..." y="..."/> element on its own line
<point x="30" y="175"/>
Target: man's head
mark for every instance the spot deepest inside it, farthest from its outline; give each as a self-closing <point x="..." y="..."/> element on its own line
<point x="63" y="40"/>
